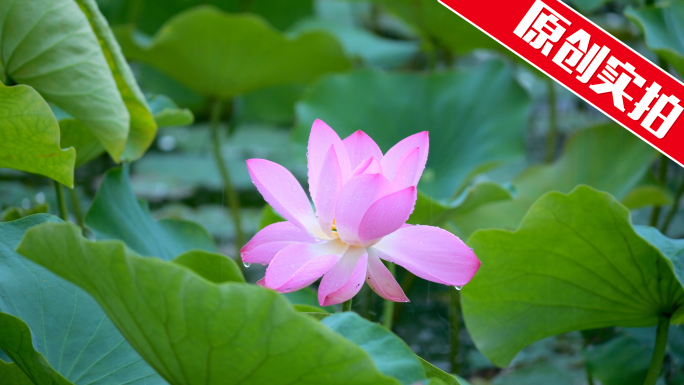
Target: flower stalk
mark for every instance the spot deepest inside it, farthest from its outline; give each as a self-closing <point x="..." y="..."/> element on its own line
<point x="347" y="305"/>
<point x="658" y="352"/>
<point x="454" y="327"/>
<point x="61" y="202"/>
<point x="233" y="198"/>
<point x="388" y="306"/>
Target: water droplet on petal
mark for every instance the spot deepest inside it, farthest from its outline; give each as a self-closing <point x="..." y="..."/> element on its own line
<point x="246" y="264"/>
<point x="458" y="287"/>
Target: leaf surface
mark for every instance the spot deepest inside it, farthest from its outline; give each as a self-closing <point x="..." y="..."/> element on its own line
<point x="30" y="136"/>
<point x="193" y="331"/>
<point x="574" y="263"/>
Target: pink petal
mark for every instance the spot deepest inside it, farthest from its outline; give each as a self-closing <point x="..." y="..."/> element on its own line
<point x="345" y="279"/>
<point x="270" y="240"/>
<point x="407" y="173"/>
<point x="282" y="191"/>
<point x="381" y="280"/>
<point x="320" y="140"/>
<point x="298" y="266"/>
<point x="430" y="253"/>
<point x="329" y="186"/>
<point x="387" y="214"/>
<point x="356" y="197"/>
<point x="368" y="166"/>
<point x="393" y="157"/>
<point x="360" y="146"/>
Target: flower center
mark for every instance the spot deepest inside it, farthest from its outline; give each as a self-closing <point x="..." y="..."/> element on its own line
<point x="333" y="229"/>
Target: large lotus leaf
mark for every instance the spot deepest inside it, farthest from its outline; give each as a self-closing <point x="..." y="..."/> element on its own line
<point x="574" y="263"/>
<point x="149" y="15"/>
<point x="605" y="157"/>
<point x="222" y="55"/>
<point x="143" y="127"/>
<point x="30" y="136"/>
<point x="389" y="353"/>
<point x="193" y="331"/>
<point x="53" y="48"/>
<point x="663" y="27"/>
<point x="117" y="214"/>
<point x="63" y="336"/>
<point x="476" y="117"/>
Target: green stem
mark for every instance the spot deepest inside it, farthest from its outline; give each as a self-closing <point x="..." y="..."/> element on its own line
<point x="590" y="378"/>
<point x="454" y="327"/>
<point x="76" y="207"/>
<point x="233" y="198"/>
<point x="368" y="304"/>
<point x="661" y="178"/>
<point x="388" y="306"/>
<point x="553" y="122"/>
<point x="658" y="352"/>
<point x="346" y="305"/>
<point x="675" y="207"/>
<point x="61" y="202"/>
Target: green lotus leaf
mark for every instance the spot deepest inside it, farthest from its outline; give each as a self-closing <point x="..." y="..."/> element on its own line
<point x="30" y="136"/>
<point x="221" y="55"/>
<point x="574" y="263"/>
<point x="193" y="331"/>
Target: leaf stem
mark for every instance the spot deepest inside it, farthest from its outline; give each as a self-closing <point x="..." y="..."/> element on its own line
<point x="552" y="134"/>
<point x="76" y="206"/>
<point x="658" y="352"/>
<point x="675" y="207"/>
<point x="346" y="305"/>
<point x="454" y="327"/>
<point x="661" y="178"/>
<point x="61" y="202"/>
<point x="233" y="198"/>
<point x="388" y="306"/>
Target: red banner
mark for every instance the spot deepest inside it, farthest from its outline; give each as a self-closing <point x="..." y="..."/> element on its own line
<point x="588" y="61"/>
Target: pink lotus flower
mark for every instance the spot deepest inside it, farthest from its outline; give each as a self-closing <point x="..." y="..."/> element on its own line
<point x="363" y="199"/>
